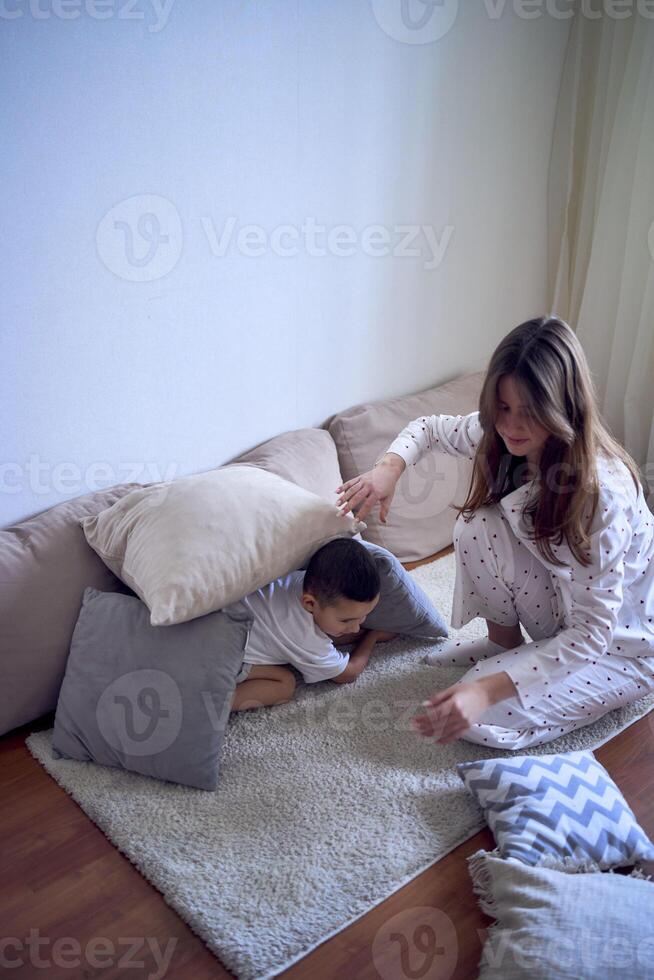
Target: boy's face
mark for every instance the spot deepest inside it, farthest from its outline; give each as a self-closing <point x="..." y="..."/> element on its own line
<point x="341" y="617"/>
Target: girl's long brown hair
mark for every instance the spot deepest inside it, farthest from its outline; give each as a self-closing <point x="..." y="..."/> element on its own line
<point x="549" y="365"/>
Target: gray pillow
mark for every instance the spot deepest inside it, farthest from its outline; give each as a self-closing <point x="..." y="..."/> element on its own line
<point x="151" y="699"/>
<point x="403" y="607"/>
<point x="561" y="925"/>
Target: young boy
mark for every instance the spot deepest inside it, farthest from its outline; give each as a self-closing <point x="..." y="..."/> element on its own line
<point x="297" y="617"/>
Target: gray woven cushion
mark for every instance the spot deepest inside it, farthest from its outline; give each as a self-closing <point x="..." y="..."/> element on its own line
<point x="561" y="926"/>
<point x="151" y="699"/>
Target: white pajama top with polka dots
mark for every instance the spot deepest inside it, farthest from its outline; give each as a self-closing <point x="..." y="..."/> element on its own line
<point x="608" y="605"/>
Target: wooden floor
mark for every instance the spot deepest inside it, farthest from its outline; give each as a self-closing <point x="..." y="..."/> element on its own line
<point x="62" y="878"/>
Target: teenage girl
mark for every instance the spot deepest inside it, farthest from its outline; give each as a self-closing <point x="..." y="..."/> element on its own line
<point x="555" y="535"/>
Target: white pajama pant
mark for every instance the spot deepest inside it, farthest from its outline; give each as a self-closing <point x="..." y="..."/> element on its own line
<point x="499" y="579"/>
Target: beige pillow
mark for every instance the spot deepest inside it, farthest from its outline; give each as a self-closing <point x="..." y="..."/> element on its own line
<point x="421" y="521"/>
<point x="193" y="545"/>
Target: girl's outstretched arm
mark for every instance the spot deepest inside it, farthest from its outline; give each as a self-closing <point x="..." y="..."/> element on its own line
<point x="456" y="435"/>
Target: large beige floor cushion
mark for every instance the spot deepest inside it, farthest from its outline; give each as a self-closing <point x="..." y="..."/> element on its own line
<point x="421" y="520"/>
<point x="45" y="565"/>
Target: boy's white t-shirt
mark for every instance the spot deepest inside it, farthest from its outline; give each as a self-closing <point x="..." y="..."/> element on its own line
<point x="284" y="632"/>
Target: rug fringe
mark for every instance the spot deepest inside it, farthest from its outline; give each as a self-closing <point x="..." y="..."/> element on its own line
<point x="569" y="864"/>
<point x="482" y="881"/>
<point x="639" y="872"/>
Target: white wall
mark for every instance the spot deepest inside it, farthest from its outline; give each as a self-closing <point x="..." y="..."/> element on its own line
<point x="274" y="113"/>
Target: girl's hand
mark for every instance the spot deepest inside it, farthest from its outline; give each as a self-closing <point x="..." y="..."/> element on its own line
<point x="377" y="486"/>
<point x="450" y="712"/>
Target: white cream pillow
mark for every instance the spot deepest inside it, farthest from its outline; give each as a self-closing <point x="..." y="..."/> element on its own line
<point x="193" y="545"/>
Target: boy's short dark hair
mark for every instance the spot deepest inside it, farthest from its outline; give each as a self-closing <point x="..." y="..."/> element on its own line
<point x="342" y="569"/>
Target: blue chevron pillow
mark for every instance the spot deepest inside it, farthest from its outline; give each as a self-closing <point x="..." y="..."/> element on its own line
<point x="561" y="811"/>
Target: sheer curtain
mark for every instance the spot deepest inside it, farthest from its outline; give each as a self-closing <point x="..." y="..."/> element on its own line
<point x="601" y="219"/>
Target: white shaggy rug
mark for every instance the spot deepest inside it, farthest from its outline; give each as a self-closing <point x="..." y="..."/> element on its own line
<point x="325" y="806"/>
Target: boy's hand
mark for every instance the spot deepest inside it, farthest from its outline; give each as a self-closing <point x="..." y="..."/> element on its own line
<point x="365" y="639"/>
<point x="376" y="636"/>
<point x="381" y="636"/>
<point x="360" y="656"/>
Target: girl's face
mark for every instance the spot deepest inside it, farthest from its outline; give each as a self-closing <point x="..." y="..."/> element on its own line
<point x="522" y="434"/>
